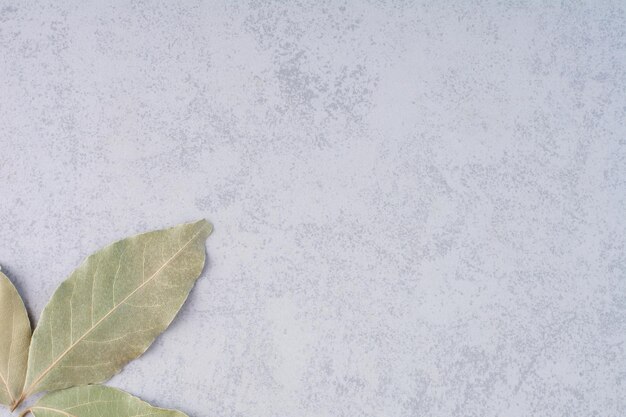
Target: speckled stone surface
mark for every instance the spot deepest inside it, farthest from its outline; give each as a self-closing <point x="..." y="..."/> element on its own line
<point x="419" y="209"/>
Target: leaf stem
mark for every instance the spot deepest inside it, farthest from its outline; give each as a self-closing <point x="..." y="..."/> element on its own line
<point x="25" y="412"/>
<point x="17" y="402"/>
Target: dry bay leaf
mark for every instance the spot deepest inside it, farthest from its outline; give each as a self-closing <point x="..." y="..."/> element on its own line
<point x="113" y="306"/>
<point x="96" y="401"/>
<point x="14" y="341"/>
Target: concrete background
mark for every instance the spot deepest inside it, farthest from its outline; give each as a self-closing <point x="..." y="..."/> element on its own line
<point x="419" y="209"/>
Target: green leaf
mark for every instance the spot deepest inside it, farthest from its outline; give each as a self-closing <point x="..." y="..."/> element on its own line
<point x="14" y="341"/>
<point x="96" y="401"/>
<point x="113" y="306"/>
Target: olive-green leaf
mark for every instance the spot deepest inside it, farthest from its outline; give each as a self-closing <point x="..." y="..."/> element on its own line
<point x="96" y="401"/>
<point x="14" y="341"/>
<point x="113" y="306"/>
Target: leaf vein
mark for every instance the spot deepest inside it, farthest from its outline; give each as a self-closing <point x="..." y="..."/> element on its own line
<point x="37" y="380"/>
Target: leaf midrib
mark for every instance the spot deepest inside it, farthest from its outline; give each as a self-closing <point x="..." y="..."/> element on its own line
<point x="33" y="385"/>
<point x="4" y="382"/>
<point x="54" y="410"/>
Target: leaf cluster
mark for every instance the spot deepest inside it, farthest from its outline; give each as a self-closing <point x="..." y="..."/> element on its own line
<point x="107" y="313"/>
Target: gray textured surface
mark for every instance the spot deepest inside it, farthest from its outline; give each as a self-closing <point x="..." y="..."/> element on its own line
<point x="418" y="209"/>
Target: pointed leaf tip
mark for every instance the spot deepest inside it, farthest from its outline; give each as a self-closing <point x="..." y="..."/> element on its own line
<point x="207" y="225"/>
